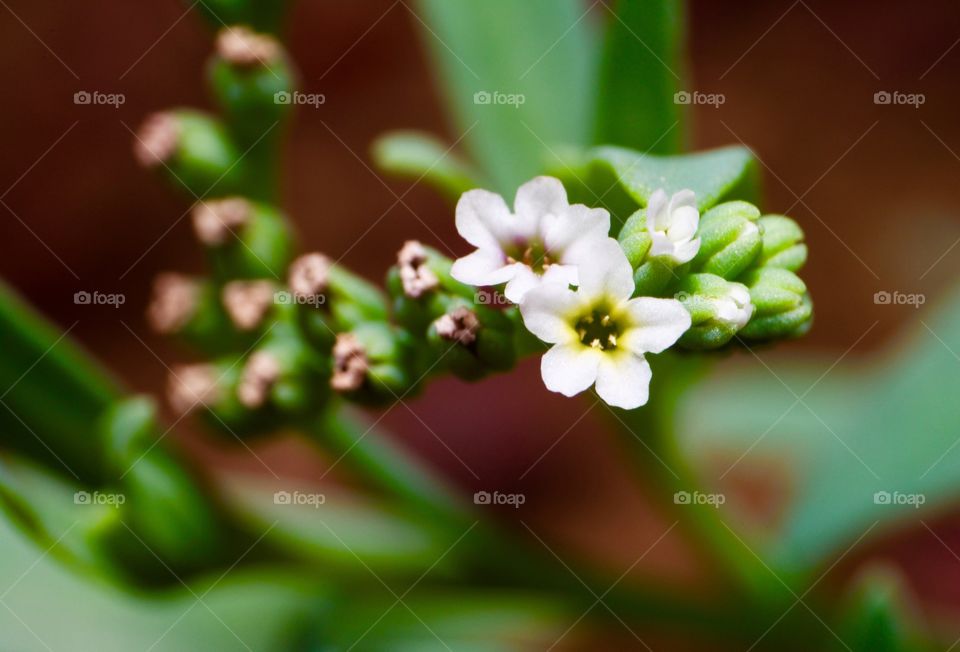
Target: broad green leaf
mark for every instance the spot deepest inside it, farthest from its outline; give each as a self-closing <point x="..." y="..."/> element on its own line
<point x="337" y="529"/>
<point x="518" y="78"/>
<point x="868" y="444"/>
<point x="49" y="608"/>
<point x="640" y="76"/>
<point x="623" y="179"/>
<point x="52" y="391"/>
<point x="418" y="155"/>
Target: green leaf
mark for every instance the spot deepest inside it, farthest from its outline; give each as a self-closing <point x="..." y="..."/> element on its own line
<point x="889" y="425"/>
<point x="518" y="77"/>
<point x="52" y="391"/>
<point x="640" y="74"/>
<point x="336" y="529"/>
<point x="418" y="155"/>
<point x="622" y="180"/>
<point x="255" y="611"/>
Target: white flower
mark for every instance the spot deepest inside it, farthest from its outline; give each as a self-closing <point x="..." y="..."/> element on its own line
<point x="600" y="334"/>
<point x="672" y="223"/>
<point x="735" y="308"/>
<point x="543" y="240"/>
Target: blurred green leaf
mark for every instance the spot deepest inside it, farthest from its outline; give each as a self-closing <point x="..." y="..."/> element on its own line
<point x="49" y="608"/>
<point x="879" y="616"/>
<point x="51" y="391"/>
<point x="867" y="443"/>
<point x="640" y="74"/>
<point x="518" y="77"/>
<point x="338" y="530"/>
<point x="418" y="155"/>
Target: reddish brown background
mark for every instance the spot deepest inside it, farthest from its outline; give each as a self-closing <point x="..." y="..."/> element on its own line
<point x="801" y="97"/>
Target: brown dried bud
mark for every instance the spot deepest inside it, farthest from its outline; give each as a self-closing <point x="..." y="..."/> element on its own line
<point x="259" y="375"/>
<point x="215" y="221"/>
<point x="240" y="46"/>
<point x="461" y="326"/>
<point x="309" y="275"/>
<point x="416" y="277"/>
<point x="191" y="385"/>
<point x="349" y="364"/>
<point x="173" y="304"/>
<point x="247" y="302"/>
<point x="157" y="140"/>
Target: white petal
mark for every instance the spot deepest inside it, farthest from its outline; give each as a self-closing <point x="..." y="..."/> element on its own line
<point x="563" y="275"/>
<point x="656" y="324"/>
<point x="661" y="245"/>
<point x="483" y="219"/>
<point x="524" y="280"/>
<point x="603" y="269"/>
<point x="683" y="198"/>
<point x="683" y="223"/>
<point x="656" y="210"/>
<point x="546" y="311"/>
<point x="624" y="380"/>
<point x="539" y="197"/>
<point x="483" y="267"/>
<point x="577" y="224"/>
<point x="570" y="368"/>
<point x="685" y="252"/>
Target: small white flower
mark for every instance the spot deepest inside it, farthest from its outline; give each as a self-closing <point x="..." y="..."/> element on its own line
<point x="735" y="308"/>
<point x="672" y="224"/>
<point x="600" y="334"/>
<point x="543" y="240"/>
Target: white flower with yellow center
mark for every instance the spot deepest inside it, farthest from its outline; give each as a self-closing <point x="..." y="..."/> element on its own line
<point x="543" y="240"/>
<point x="672" y="224"/>
<point x="599" y="334"/>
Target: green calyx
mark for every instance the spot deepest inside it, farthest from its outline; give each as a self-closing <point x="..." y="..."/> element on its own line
<point x="783" y="306"/>
<point x="783" y="244"/>
<point x="730" y="240"/>
<point x="718" y="310"/>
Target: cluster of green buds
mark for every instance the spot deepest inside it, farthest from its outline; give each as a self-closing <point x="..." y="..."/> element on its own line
<point x="740" y="282"/>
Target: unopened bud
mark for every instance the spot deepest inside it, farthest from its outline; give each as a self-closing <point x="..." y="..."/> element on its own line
<point x="174" y="303"/>
<point x="783" y="306"/>
<point x="730" y="239"/>
<point x="783" y="244"/>
<point x="248" y="302"/>
<point x="216" y="221"/>
<point x="718" y="309"/>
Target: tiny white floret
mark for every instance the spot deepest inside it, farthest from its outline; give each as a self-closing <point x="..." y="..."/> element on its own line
<point x="672" y="224"/>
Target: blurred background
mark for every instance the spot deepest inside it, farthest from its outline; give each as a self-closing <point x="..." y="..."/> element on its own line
<point x="874" y="187"/>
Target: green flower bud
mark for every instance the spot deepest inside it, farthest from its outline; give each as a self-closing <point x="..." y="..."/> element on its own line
<point x="421" y="286"/>
<point x="329" y="299"/>
<point x="651" y="275"/>
<point x="730" y="240"/>
<point x="472" y="340"/>
<point x="250" y="75"/>
<point x="190" y="310"/>
<point x="245" y="239"/>
<point x="372" y="363"/>
<point x="783" y="245"/>
<point x="783" y="306"/>
<point x="193" y="149"/>
<point x="718" y="309"/>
